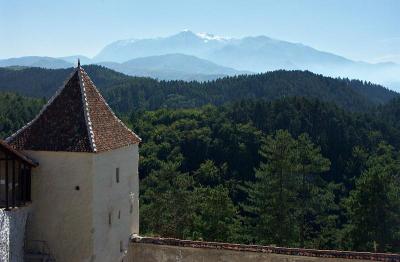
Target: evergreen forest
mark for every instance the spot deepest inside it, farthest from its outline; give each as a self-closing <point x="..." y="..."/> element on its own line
<point x="285" y="158"/>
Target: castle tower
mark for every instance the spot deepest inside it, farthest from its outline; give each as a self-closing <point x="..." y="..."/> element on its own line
<point x="85" y="190"/>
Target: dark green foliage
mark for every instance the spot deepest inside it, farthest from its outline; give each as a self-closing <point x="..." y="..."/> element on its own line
<point x="167" y="203"/>
<point x="16" y="111"/>
<point x="216" y="215"/>
<point x="373" y="207"/>
<point x="33" y="81"/>
<point x="173" y="205"/>
<point x="219" y="148"/>
<point x="289" y="203"/>
<point x="390" y="113"/>
<point x="290" y="171"/>
<point x="314" y="196"/>
<point x="271" y="198"/>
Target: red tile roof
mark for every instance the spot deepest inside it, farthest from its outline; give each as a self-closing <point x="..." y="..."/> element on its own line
<point x="76" y="119"/>
<point x="7" y="148"/>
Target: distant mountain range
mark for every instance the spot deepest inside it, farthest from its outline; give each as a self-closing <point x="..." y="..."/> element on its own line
<point x="36" y="61"/>
<point x="162" y="67"/>
<point x="256" y="54"/>
<point x="74" y="59"/>
<point x="172" y="67"/>
<point x="191" y="56"/>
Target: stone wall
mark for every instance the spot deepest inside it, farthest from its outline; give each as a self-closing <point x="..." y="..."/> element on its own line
<point x="169" y="250"/>
<point x="85" y="206"/>
<point x="12" y="233"/>
<point x="115" y="202"/>
<point x="61" y="214"/>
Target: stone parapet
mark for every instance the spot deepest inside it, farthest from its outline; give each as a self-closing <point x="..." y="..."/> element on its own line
<point x="268" y="253"/>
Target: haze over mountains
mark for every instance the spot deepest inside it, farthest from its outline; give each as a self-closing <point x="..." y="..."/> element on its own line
<point x="36" y="61"/>
<point x="173" y="67"/>
<point x="191" y="56"/>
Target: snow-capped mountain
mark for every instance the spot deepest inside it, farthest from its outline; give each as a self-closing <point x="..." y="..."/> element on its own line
<point x="185" y="42"/>
<point x="259" y="53"/>
<point x="254" y="53"/>
<point x="202" y="56"/>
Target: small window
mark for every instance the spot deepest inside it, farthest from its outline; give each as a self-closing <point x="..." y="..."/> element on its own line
<point x="109" y="218"/>
<point x="121" y="246"/>
<point x="119" y="214"/>
<point x="131" y="209"/>
<point x="117" y="175"/>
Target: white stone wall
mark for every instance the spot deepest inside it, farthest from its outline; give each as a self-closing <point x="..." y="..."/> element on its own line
<point x="12" y="234"/>
<point x="62" y="191"/>
<point x="75" y="222"/>
<point x="115" y="201"/>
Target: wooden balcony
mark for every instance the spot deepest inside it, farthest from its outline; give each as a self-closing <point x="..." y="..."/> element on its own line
<point x="15" y="177"/>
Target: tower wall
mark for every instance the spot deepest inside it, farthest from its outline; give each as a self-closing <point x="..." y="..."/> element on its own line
<point x="62" y="190"/>
<point x="115" y="202"/>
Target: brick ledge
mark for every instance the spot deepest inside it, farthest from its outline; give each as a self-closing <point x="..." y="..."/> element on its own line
<point x="267" y="249"/>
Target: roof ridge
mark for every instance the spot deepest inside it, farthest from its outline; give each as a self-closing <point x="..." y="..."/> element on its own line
<point x="109" y="108"/>
<point x="86" y="109"/>
<point x="49" y="102"/>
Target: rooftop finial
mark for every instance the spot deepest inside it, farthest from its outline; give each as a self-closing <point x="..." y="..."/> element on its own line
<point x="79" y="63"/>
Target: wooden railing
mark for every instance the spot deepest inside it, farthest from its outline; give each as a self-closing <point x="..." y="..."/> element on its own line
<point x="15" y="182"/>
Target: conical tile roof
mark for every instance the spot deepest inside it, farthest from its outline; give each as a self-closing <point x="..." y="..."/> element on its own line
<point x="76" y="119"/>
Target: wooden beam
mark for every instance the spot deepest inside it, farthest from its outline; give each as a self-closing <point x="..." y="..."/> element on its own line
<point x="22" y="183"/>
<point x="8" y="150"/>
<point x="13" y="193"/>
<point x="20" y="175"/>
<point x="29" y="184"/>
<point x="6" y="180"/>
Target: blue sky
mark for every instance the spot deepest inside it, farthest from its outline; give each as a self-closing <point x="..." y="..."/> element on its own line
<point x="358" y="29"/>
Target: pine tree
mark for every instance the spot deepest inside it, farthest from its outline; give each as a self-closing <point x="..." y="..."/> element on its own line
<point x="167" y="205"/>
<point x="373" y="207"/>
<point x="216" y="215"/>
<point x="314" y="195"/>
<point x="271" y="196"/>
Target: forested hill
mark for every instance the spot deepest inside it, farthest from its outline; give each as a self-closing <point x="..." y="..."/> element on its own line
<point x="217" y="173"/>
<point x="126" y="93"/>
<point x="390" y="113"/>
<point x="16" y="111"/>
